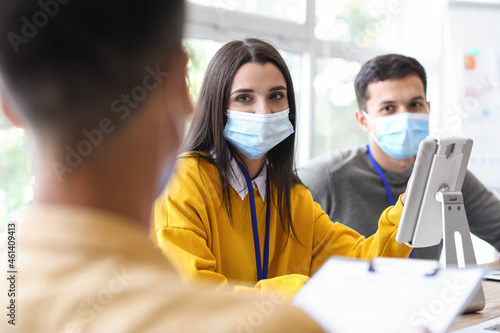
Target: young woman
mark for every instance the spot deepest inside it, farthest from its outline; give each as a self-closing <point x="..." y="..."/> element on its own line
<point x="242" y="137"/>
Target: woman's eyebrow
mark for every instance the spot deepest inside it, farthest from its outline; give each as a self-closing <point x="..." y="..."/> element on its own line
<point x="277" y="88"/>
<point x="242" y="90"/>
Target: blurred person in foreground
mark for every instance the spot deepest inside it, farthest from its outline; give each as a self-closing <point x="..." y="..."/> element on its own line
<point x="100" y="85"/>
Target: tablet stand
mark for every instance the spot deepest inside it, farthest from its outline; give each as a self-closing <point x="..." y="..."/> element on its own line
<point x="456" y="235"/>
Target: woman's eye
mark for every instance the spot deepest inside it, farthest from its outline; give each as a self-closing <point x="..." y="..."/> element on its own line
<point x="416" y="105"/>
<point x="243" y="98"/>
<point x="388" y="108"/>
<point x="277" y="96"/>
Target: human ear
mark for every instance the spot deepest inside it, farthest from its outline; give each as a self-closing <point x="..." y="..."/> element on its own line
<point x="362" y="120"/>
<point x="7" y="111"/>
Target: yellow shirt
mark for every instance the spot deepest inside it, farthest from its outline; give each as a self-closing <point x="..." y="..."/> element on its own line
<point x="194" y="232"/>
<point x="82" y="270"/>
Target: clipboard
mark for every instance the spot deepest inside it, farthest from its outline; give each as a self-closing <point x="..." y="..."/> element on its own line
<point x="386" y="295"/>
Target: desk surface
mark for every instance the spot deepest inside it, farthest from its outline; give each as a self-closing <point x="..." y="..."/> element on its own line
<point x="490" y="311"/>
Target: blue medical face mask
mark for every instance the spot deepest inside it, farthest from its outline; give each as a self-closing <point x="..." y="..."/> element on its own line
<point x="256" y="134"/>
<point x="399" y="135"/>
<point x="164" y="179"/>
<point x="179" y="122"/>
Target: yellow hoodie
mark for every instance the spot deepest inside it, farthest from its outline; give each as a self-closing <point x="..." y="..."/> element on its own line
<point x="193" y="230"/>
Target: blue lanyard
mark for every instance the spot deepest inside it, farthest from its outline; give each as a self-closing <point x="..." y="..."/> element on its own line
<point x="382" y="176"/>
<point x="261" y="270"/>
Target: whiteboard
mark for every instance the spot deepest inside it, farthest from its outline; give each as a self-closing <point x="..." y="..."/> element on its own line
<point x="477" y="48"/>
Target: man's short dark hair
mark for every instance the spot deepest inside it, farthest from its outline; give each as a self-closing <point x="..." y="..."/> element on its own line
<point x="385" y="67"/>
<point x="64" y="61"/>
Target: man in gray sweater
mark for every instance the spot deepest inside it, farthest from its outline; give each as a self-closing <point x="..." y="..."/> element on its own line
<point x="355" y="185"/>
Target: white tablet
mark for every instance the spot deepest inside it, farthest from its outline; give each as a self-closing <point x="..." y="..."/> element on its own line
<point x="440" y="164"/>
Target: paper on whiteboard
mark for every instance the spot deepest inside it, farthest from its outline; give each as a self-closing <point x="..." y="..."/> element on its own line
<point x="481" y="112"/>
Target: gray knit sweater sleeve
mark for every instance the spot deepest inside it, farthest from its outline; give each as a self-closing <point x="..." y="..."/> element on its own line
<point x="483" y="210"/>
<point x="347" y="188"/>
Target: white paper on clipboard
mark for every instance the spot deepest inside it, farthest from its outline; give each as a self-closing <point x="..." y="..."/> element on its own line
<point x="386" y="295"/>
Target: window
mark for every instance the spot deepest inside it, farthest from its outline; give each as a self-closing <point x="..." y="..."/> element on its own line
<point x="335" y="126"/>
<point x="16" y="175"/>
<point x="288" y="10"/>
<point x="200" y="53"/>
<point x="347" y="21"/>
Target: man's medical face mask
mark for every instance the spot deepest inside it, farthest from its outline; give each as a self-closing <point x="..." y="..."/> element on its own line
<point x="399" y="135"/>
<point x="179" y="122"/>
<point x="256" y="134"/>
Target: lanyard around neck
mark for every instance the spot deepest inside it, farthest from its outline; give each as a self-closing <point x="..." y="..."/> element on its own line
<point x="382" y="176"/>
<point x="261" y="269"/>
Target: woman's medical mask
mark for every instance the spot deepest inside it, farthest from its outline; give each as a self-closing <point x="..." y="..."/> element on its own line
<point x="256" y="134"/>
<point x="399" y="135"/>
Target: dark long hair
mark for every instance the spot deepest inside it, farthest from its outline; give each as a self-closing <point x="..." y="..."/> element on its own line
<point x="206" y="133"/>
